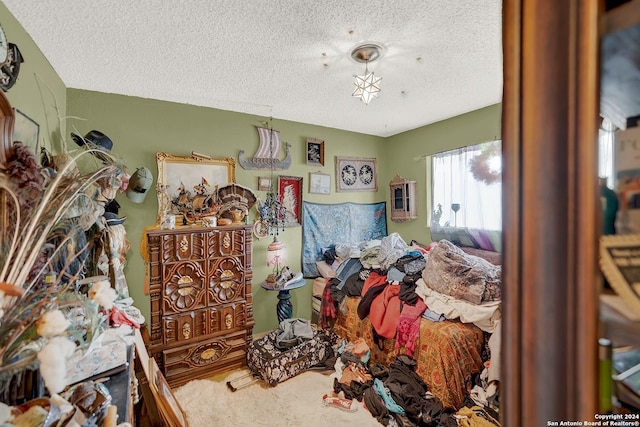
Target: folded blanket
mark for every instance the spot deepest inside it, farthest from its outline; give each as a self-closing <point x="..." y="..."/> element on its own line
<point x="485" y="316"/>
<point x="466" y="277"/>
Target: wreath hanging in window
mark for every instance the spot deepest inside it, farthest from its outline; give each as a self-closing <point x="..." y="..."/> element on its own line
<point x="480" y="166"/>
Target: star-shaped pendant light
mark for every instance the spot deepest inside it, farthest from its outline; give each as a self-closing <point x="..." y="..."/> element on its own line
<point x="367" y="85"/>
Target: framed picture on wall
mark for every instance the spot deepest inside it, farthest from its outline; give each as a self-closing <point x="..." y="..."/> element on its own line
<point x="290" y="194"/>
<point x="315" y="152"/>
<point x="26" y="130"/>
<point x="264" y="183"/>
<point x="183" y="179"/>
<point x="319" y="183"/>
<point x="356" y="174"/>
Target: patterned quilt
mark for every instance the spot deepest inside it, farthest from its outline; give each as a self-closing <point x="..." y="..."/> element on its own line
<point x="324" y="225"/>
<point x="448" y="352"/>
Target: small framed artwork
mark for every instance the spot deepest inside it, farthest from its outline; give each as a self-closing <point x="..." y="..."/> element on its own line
<point x="319" y="183"/>
<point x="26" y="130"/>
<point x="168" y="406"/>
<point x="315" y="152"/>
<point x="290" y="194"/>
<point x="356" y="174"/>
<point x="264" y="183"/>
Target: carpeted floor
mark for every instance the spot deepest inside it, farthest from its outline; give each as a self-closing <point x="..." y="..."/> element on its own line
<point x="295" y="402"/>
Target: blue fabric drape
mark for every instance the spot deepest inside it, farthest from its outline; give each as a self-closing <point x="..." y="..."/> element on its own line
<point x="324" y="225"/>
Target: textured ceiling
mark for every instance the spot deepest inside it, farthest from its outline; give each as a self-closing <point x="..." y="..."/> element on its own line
<point x="286" y="59"/>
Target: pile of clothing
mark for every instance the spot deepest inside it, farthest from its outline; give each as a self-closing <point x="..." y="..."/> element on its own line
<point x="397" y="396"/>
<point x="399" y="285"/>
<point x="391" y="262"/>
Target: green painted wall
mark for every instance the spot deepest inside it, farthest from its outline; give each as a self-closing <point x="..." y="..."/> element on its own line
<point x="39" y="88"/>
<point x="141" y="127"/>
<point x="405" y="155"/>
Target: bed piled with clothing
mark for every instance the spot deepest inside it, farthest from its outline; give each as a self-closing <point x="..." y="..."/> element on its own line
<point x="436" y="305"/>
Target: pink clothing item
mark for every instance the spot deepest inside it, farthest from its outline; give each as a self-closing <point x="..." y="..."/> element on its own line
<point x="409" y="326"/>
<point x="117" y="317"/>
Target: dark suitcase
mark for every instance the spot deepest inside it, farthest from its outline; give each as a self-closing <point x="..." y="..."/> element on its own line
<point x="273" y="365"/>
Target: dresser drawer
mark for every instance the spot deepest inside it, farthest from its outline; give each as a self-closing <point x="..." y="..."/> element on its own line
<point x="227" y="280"/>
<point x="202" y="323"/>
<point x="198" y="360"/>
<point x="184" y="286"/>
<point x="228" y="242"/>
<point x="182" y="246"/>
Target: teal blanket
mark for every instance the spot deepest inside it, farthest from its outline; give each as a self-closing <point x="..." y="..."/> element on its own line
<point x="324" y="225"/>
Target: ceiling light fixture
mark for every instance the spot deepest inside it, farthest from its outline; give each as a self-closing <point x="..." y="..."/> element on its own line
<point x="368" y="85"/>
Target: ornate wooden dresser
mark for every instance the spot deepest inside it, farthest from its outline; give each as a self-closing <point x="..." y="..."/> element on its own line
<point x="201" y="304"/>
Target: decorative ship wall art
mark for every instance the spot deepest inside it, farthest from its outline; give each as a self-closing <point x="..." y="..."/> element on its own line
<point x="268" y="151"/>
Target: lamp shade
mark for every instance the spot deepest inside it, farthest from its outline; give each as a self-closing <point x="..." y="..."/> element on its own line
<point x="276" y="254"/>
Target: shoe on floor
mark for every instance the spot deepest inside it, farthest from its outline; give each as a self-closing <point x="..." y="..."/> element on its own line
<point x="340" y="403"/>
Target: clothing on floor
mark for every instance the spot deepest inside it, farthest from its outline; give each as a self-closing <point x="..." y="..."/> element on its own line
<point x="354" y="372"/>
<point x="475" y="416"/>
<point x="292" y="332"/>
<point x="374" y="278"/>
<point x="361" y="350"/>
<point x="355" y="389"/>
<point x="405" y="386"/>
<point x="390" y="404"/>
<point x="329" y="254"/>
<point x="376" y="406"/>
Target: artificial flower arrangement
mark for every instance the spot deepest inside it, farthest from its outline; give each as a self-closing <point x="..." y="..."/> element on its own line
<point x="482" y="165"/>
<point x="44" y="315"/>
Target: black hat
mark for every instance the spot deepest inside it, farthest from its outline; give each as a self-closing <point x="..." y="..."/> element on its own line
<point x="113" y="219"/>
<point x="94" y="139"/>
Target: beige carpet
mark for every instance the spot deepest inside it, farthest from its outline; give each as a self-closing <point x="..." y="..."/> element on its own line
<point x="296" y="402"/>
